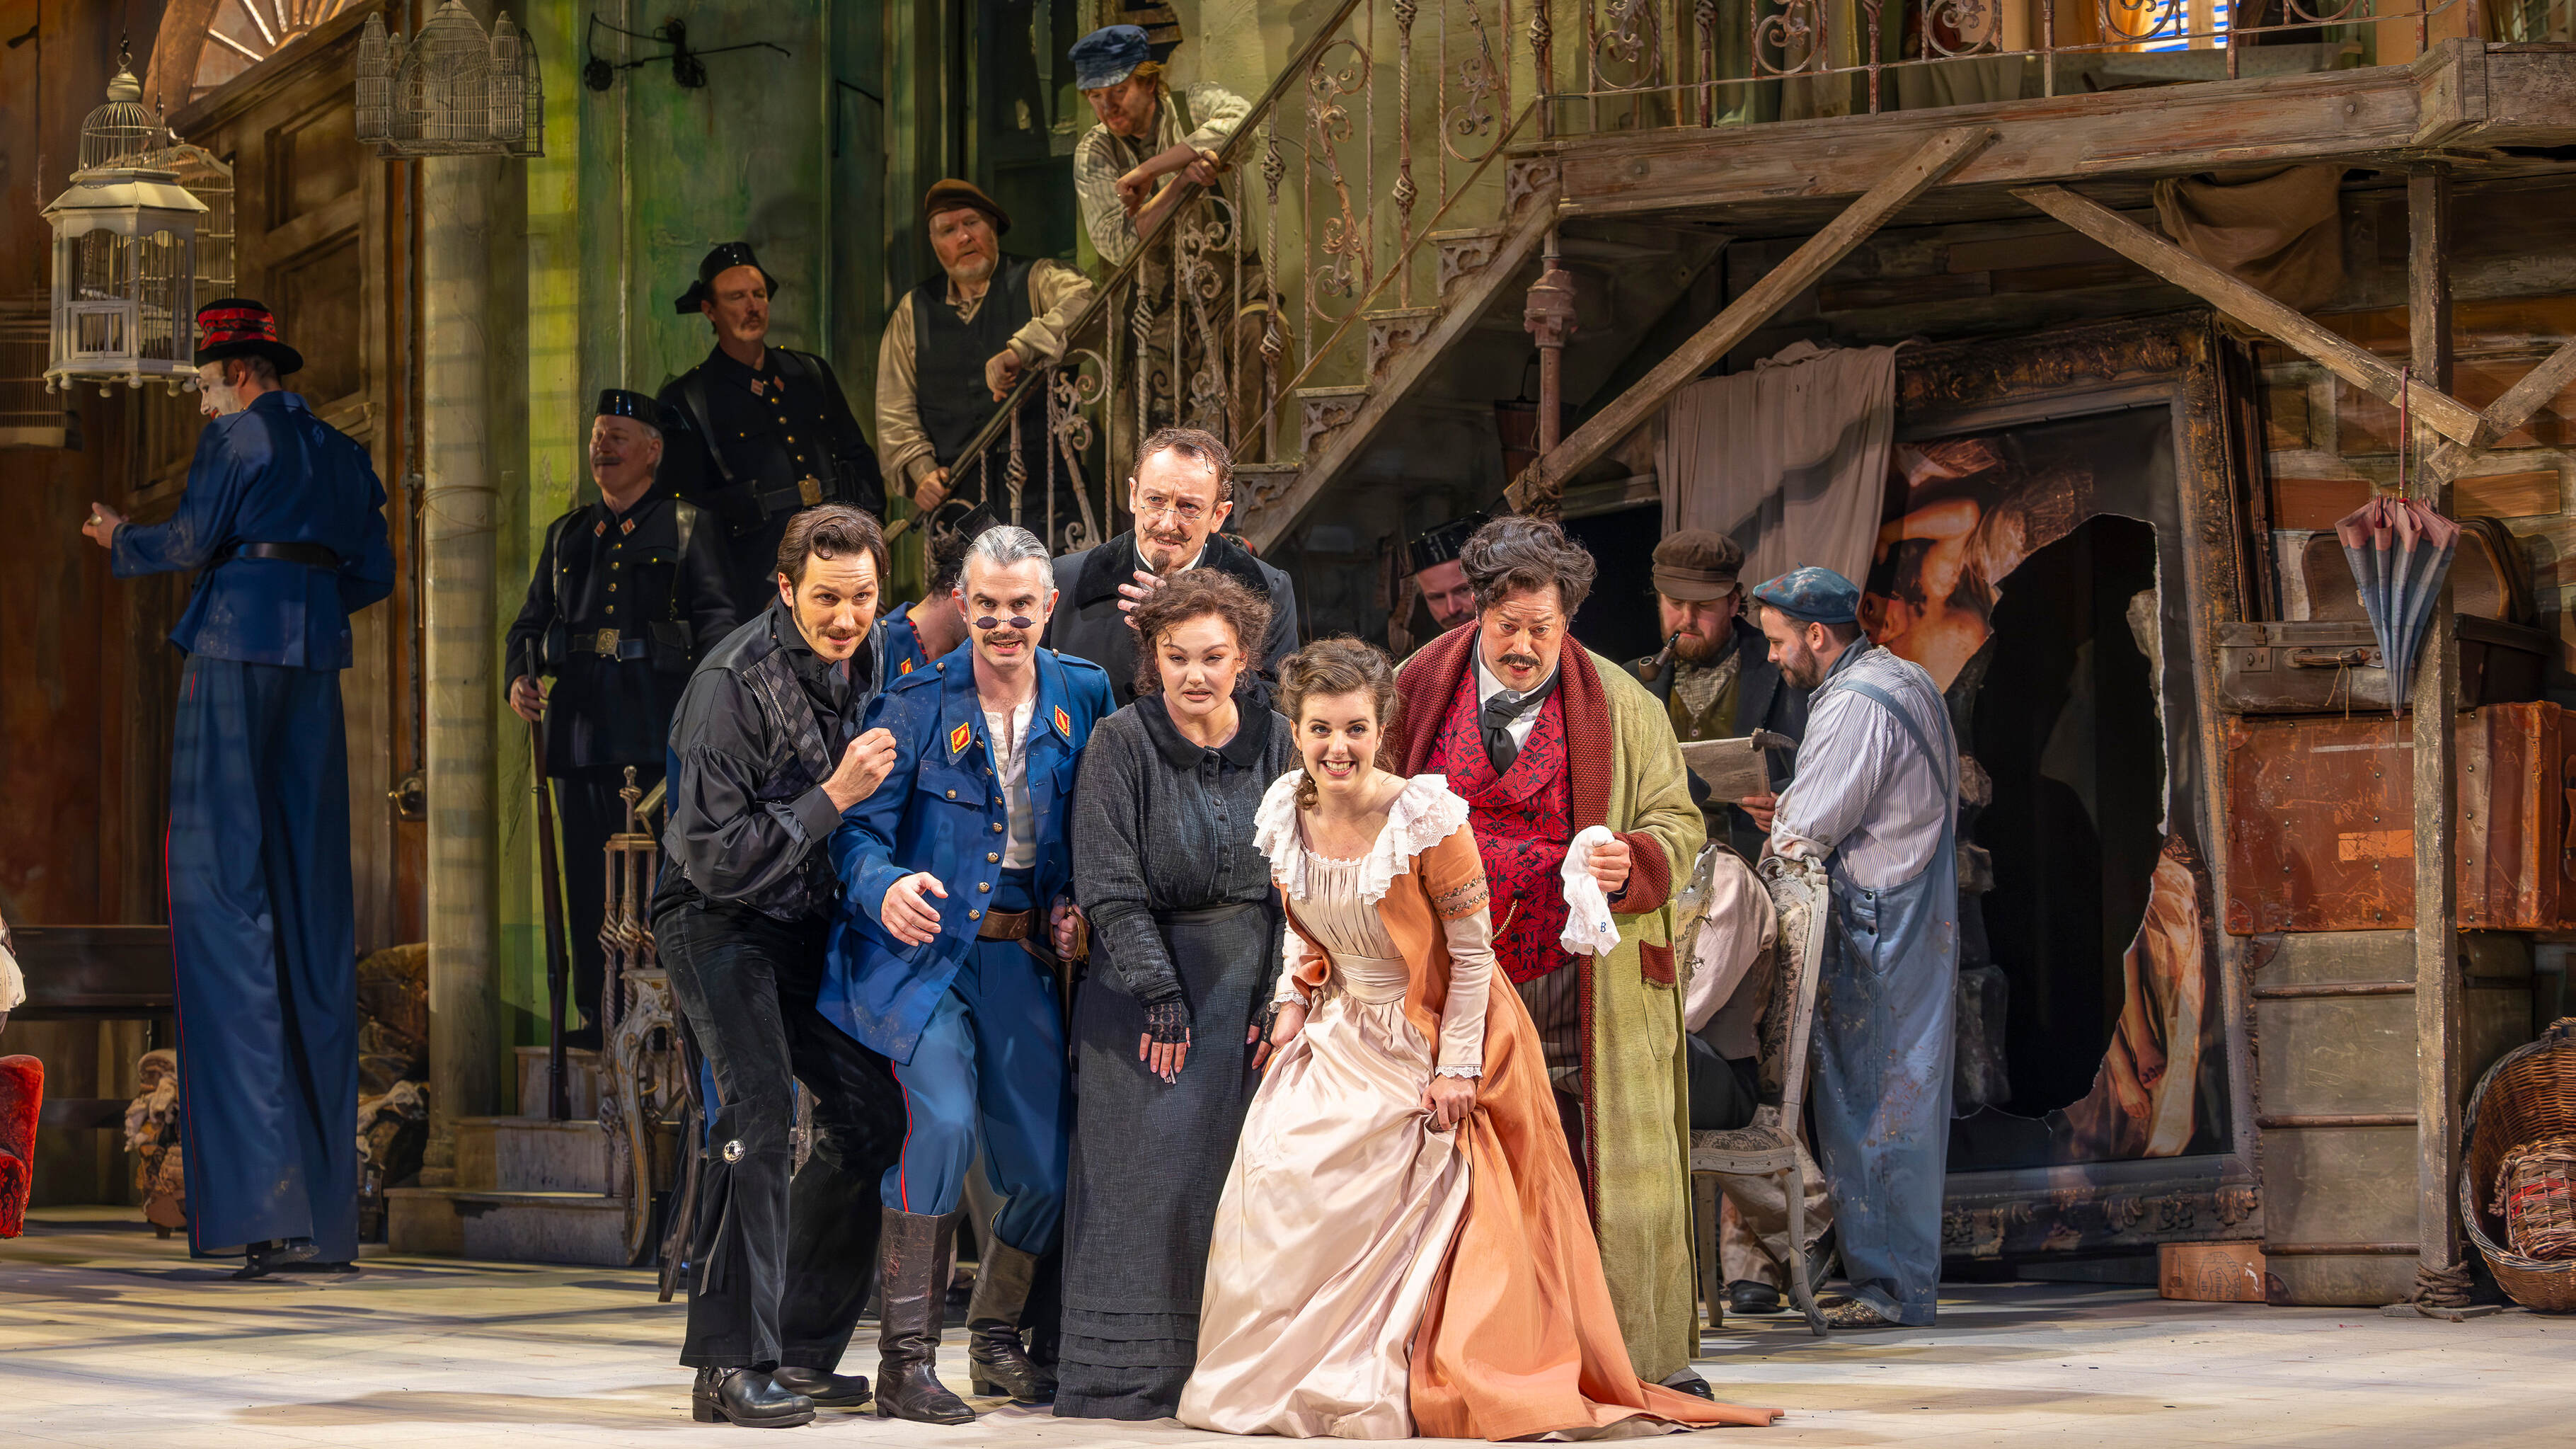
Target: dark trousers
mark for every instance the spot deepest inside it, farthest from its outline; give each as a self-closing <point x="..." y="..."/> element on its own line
<point x="590" y="810"/>
<point x="781" y="1270"/>
<point x="263" y="936"/>
<point x="1723" y="1091"/>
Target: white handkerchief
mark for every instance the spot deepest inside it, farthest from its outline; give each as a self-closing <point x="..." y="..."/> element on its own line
<point x="1588" y="926"/>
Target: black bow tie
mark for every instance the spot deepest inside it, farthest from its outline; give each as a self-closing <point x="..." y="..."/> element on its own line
<point x="1495" y="721"/>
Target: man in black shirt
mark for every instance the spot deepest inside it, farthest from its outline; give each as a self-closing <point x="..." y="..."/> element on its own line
<point x="766" y="754"/>
<point x="626" y="594"/>
<point x="760" y="431"/>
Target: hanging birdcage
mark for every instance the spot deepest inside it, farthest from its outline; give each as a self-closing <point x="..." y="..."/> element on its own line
<point x="124" y="295"/>
<point x="29" y="416"/>
<point x="211" y="181"/>
<point x="451" y="90"/>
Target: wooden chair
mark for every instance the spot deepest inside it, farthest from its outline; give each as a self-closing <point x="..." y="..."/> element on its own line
<point x="1804" y="901"/>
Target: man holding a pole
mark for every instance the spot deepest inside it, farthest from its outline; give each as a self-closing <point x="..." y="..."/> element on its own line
<point x="626" y="594"/>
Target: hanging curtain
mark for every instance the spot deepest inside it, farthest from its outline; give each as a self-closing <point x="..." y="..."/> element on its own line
<point x="1789" y="458"/>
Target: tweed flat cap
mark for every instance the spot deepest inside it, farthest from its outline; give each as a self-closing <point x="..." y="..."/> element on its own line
<point x="1812" y="595"/>
<point x="1696" y="565"/>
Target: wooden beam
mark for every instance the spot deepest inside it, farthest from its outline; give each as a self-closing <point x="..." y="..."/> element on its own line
<point x="2438" y="409"/>
<point x="2525" y="398"/>
<point x="2436" y="685"/>
<point x="1935" y="159"/>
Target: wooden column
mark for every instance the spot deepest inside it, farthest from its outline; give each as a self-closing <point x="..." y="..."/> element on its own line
<point x="2438" y="982"/>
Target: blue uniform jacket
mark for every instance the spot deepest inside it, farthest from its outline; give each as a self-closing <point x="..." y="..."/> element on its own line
<point x="902" y="646"/>
<point x="271" y="473"/>
<point x="940" y="810"/>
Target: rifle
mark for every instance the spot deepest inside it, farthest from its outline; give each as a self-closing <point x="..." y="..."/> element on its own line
<point x="558" y="984"/>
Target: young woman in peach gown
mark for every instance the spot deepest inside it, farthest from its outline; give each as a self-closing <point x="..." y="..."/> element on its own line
<point x="1401" y="1247"/>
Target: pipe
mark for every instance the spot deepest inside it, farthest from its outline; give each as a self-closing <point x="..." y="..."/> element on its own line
<point x="460" y="509"/>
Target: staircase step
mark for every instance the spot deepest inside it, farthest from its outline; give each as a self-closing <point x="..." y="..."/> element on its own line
<point x="508" y="1227"/>
<point x="1321" y="410"/>
<point x="1258" y="485"/>
<point x="581" y="1068"/>
<point x="1391" y="330"/>
<point x="1463" y="253"/>
<point x="531" y="1154"/>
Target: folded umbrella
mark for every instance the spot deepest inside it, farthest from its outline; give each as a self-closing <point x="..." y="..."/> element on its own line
<point x="2400" y="551"/>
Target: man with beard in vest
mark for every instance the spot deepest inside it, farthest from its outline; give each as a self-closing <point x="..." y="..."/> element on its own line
<point x="956" y="346"/>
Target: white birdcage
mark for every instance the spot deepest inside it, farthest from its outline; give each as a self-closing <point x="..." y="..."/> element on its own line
<point x="125" y="235"/>
<point x="30" y="417"/>
<point x="211" y="181"/>
<point x="451" y="90"/>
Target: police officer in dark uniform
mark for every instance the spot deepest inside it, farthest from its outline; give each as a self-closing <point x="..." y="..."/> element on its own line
<point x="626" y="594"/>
<point x="759" y="432"/>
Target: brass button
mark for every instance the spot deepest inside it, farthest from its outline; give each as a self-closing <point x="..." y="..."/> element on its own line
<point x="952" y="794"/>
<point x="992" y="855"/>
<point x="997" y="825"/>
<point x="612" y="588"/>
<point x="983" y="885"/>
<point x="974" y="915"/>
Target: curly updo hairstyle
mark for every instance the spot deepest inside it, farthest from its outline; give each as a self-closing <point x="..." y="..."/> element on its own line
<point x="1197" y="594"/>
<point x="1338" y="665"/>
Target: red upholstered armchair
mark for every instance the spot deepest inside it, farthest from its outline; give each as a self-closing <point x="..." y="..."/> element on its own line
<point x="22" y="1095"/>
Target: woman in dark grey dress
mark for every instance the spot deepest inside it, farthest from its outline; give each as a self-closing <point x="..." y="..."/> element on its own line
<point x="1185" y="948"/>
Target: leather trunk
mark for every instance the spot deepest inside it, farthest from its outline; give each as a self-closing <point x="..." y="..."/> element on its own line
<point x="2321" y="822"/>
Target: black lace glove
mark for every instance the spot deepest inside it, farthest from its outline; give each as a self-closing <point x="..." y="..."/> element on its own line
<point x="1167" y="1022"/>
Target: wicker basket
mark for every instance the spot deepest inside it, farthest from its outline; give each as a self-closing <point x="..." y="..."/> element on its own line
<point x="2514" y="1192"/>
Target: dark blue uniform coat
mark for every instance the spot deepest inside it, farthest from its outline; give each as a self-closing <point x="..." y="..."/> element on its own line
<point x="261" y="921"/>
<point x="951" y="822"/>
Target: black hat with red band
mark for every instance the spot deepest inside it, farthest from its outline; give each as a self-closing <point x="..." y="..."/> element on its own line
<point x="239" y="327"/>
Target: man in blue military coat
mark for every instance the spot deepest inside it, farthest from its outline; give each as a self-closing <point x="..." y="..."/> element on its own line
<point x="955" y="878"/>
<point x="284" y="521"/>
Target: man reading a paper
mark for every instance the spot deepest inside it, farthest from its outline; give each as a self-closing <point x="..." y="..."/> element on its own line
<point x="1715" y="676"/>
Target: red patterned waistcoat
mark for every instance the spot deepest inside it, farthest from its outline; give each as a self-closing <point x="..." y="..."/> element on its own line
<point x="1522" y="823"/>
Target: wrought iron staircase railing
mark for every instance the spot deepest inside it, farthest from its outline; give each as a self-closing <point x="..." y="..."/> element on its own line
<point x="1362" y="188"/>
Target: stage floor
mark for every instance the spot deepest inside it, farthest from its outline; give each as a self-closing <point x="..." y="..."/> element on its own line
<point x="110" y="1336"/>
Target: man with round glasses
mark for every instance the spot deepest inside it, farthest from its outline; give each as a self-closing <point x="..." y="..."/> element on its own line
<point x="955" y="928"/>
<point x="1181" y="494"/>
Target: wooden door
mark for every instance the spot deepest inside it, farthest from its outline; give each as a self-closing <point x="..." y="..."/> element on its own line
<point x="325" y="238"/>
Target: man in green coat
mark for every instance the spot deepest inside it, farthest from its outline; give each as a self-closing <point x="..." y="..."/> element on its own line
<point x="1543" y="741"/>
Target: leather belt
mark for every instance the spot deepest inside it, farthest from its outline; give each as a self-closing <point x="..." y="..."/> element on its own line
<point x="1008" y="925"/>
<point x="311" y="555"/>
<point x="607" y="643"/>
<point x="805" y="492"/>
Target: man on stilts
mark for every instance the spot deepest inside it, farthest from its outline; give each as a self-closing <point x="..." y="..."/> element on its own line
<point x="284" y="520"/>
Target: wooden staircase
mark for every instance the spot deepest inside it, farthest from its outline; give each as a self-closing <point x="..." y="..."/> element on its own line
<point x="527" y="1190"/>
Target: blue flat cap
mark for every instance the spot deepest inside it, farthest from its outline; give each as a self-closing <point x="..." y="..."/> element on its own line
<point x="1108" y="55"/>
<point x="1812" y="595"/>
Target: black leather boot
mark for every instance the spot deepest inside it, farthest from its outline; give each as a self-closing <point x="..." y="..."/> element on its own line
<point x="997" y="1362"/>
<point x="748" y="1398"/>
<point x="912" y="1278"/>
<point x="1751" y="1299"/>
<point x="827" y="1390"/>
<point x="274" y="1255"/>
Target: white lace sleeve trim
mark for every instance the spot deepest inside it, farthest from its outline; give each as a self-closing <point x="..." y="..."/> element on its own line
<point x="1425" y="813"/>
<point x="1477" y="1070"/>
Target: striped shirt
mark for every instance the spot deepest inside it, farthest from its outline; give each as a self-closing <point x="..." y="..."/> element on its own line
<point x="1863" y="790"/>
<point x="1101" y="157"/>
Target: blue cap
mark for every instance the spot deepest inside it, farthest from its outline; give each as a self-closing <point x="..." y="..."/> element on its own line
<point x="1108" y="55"/>
<point x="1812" y="595"/>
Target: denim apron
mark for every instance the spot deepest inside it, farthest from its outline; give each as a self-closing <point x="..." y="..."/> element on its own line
<point x="1882" y="1058"/>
